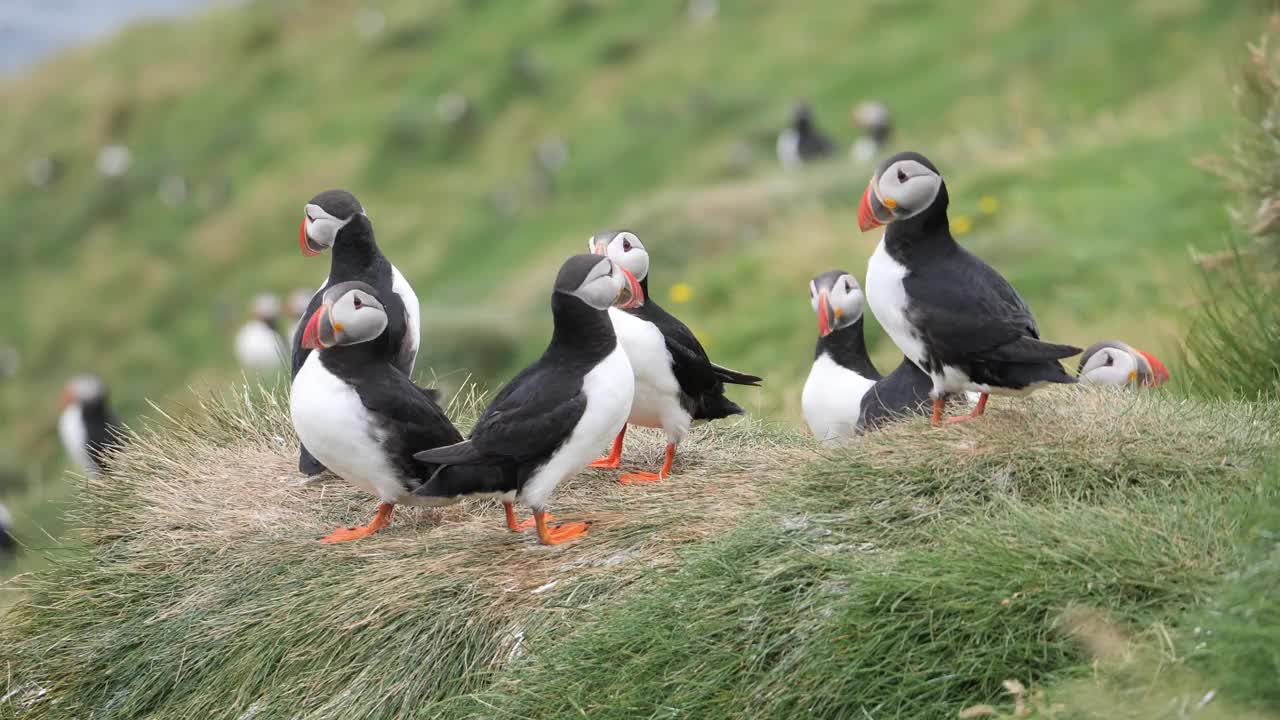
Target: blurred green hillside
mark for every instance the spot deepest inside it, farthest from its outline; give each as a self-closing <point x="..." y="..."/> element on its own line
<point x="1079" y="124"/>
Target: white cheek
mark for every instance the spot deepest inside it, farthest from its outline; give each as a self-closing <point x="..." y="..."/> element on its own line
<point x="322" y="231"/>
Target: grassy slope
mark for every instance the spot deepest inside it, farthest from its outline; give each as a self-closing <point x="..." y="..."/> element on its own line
<point x="908" y="576"/>
<point x="1082" y="120"/>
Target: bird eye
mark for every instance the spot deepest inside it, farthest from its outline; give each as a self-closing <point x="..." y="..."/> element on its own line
<point x="357" y="302"/>
<point x="902" y="177"/>
<point x="1110" y="361"/>
<point x="626" y="245"/>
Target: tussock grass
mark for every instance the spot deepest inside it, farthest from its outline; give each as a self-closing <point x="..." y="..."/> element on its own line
<point x="906" y="575"/>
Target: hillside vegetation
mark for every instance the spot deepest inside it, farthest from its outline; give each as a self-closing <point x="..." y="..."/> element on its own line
<point x="1075" y="125"/>
<point x="908" y="576"/>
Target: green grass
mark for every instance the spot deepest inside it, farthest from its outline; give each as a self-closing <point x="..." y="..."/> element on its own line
<point x="1083" y="121"/>
<point x="907" y="576"/>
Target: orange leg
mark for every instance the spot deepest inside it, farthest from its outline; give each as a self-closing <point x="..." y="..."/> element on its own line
<point x="615" y="455"/>
<point x="378" y="522"/>
<point x="634" y="477"/>
<point x="979" y="409"/>
<point x="514" y="526"/>
<point x="558" y="534"/>
<point x="939" y="406"/>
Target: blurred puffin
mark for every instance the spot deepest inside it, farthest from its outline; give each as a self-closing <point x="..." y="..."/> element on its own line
<point x="844" y="393"/>
<point x="1112" y="362"/>
<point x="676" y="383"/>
<point x="7" y="543"/>
<point x="88" y="428"/>
<point x="364" y="417"/>
<point x="335" y="220"/>
<point x="950" y="312"/>
<point x="295" y="306"/>
<point x="802" y="142"/>
<point x="872" y="119"/>
<point x="546" y="424"/>
<point x="259" y="344"/>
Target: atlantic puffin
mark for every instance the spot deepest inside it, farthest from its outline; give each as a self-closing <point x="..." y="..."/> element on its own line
<point x="845" y="393"/>
<point x="87" y="427"/>
<point x="802" y="142"/>
<point x="335" y="220"/>
<point x="676" y="383"/>
<point x="7" y="543"/>
<point x="950" y="312"/>
<point x="259" y="344"/>
<point x="1112" y="362"/>
<point x="873" y="120"/>
<point x="295" y="307"/>
<point x="362" y="415"/>
<point x="547" y="423"/>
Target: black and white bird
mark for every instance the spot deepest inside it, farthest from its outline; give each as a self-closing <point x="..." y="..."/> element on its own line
<point x="8" y="544"/>
<point x="873" y="121"/>
<point x="802" y="142"/>
<point x="1113" y="362"/>
<point x="295" y="307"/>
<point x="365" y="418"/>
<point x="950" y="312"/>
<point x="675" y="382"/>
<point x="259" y="344"/>
<point x="335" y="220"/>
<point x="87" y="427"/>
<point x="548" y="422"/>
<point x="845" y="393"/>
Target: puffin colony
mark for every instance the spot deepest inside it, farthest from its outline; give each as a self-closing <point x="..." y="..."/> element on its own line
<point x="616" y="358"/>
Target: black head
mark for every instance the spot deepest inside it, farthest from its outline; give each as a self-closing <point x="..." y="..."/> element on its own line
<point x="904" y="186"/>
<point x="802" y="114"/>
<point x="837" y="299"/>
<point x="324" y="217"/>
<point x="84" y="390"/>
<point x="599" y="282"/>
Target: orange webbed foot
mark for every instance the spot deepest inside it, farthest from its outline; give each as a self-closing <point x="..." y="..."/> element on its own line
<point x="640" y="477"/>
<point x="606" y="463"/>
<point x="514" y="526"/>
<point x="558" y="534"/>
<point x="347" y="534"/>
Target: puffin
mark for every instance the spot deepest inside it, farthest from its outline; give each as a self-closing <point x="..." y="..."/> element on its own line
<point x="675" y="382"/>
<point x="872" y="119"/>
<point x="845" y="393"/>
<point x="335" y="220"/>
<point x="259" y="344"/>
<point x="362" y="415"/>
<point x="1113" y="362"/>
<point x="802" y="142"/>
<point x="8" y="544"/>
<point x="951" y="313"/>
<point x="546" y="424"/>
<point x="87" y="427"/>
<point x="295" y="305"/>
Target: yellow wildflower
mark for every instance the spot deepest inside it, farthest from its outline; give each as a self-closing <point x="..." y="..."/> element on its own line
<point x="988" y="205"/>
<point x="681" y="293"/>
<point x="961" y="224"/>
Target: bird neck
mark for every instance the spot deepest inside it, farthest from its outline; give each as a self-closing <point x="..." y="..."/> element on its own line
<point x="580" y="328"/>
<point x="922" y="235"/>
<point x="94" y="410"/>
<point x="355" y="245"/>
<point x="847" y="346"/>
<point x="350" y="362"/>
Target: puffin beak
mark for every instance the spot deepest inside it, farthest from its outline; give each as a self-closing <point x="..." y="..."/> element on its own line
<point x="1133" y="376"/>
<point x="318" y="327"/>
<point x="304" y="242"/>
<point x="871" y="211"/>
<point x="1159" y="373"/>
<point x="66" y="398"/>
<point x="600" y="248"/>
<point x="631" y="295"/>
<point x="825" y="321"/>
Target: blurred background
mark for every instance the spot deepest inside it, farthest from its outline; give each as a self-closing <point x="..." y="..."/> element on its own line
<point x="157" y="155"/>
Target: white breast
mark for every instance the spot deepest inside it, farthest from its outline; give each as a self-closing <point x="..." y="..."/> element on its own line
<point x="832" y="399"/>
<point x="259" y="348"/>
<point x="657" y="393"/>
<point x="609" y="388"/>
<point x="413" y="310"/>
<point x="788" y="148"/>
<point x="75" y="438"/>
<point x="888" y="300"/>
<point x="341" y="432"/>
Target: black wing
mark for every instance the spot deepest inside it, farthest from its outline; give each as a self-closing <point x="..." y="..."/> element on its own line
<point x="418" y="420"/>
<point x="700" y="379"/>
<point x="968" y="312"/>
<point x="104" y="438"/>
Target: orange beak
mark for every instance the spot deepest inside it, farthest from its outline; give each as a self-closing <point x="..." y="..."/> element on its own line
<point x="635" y="293"/>
<point x="311" y="339"/>
<point x="1159" y="373"/>
<point x="866" y="216"/>
<point x="824" y="314"/>
<point x="302" y="240"/>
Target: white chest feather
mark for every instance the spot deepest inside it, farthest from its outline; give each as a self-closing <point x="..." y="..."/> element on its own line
<point x="657" y="392"/>
<point x="259" y="348"/>
<point x="888" y="300"/>
<point x="412" y="308"/>
<point x="609" y="388"/>
<point x="832" y="399"/>
<point x="341" y="432"/>
<point x="788" y="149"/>
<point x="75" y="438"/>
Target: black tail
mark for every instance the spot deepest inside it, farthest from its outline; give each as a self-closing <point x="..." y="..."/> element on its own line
<point x="1031" y="350"/>
<point x="451" y="481"/>
<point x="463" y="453"/>
<point x="714" y="406"/>
<point x="736" y="378"/>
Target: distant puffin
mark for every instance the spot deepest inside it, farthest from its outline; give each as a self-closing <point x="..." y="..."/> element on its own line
<point x="802" y="142"/>
<point x="87" y="426"/>
<point x="1112" y="362"/>
<point x="676" y="383"/>
<point x="844" y="393"/>
<point x="295" y="307"/>
<point x="364" y="417"/>
<point x="259" y="344"/>
<point x="873" y="120"/>
<point x="949" y="312"/>
<point x="7" y="544"/>
<point x="547" y="423"/>
<point x="335" y="219"/>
